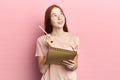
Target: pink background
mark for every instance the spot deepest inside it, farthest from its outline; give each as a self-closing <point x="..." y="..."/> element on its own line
<point x="97" y="22"/>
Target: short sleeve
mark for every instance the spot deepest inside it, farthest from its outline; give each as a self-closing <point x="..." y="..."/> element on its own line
<point x="39" y="51"/>
<point x="77" y="44"/>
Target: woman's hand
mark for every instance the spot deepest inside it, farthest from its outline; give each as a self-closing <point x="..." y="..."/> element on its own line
<point x="69" y="64"/>
<point x="49" y="40"/>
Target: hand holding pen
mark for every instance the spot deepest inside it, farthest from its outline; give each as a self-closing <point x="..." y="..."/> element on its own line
<point x="48" y="37"/>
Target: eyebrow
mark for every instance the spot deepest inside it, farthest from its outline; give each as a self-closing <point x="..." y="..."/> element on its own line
<point x="56" y="13"/>
<point x="53" y="13"/>
<point x="59" y="11"/>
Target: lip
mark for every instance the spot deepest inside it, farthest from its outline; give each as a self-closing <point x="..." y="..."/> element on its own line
<point x="60" y="22"/>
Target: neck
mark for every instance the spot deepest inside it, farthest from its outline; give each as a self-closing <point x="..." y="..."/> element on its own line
<point x="57" y="32"/>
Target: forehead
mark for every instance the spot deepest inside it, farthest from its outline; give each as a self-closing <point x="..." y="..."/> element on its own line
<point x="55" y="10"/>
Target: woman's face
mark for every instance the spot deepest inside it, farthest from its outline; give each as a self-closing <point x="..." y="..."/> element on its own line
<point x="57" y="18"/>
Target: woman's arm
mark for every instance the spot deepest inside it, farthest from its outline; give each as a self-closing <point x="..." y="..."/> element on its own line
<point x="41" y="64"/>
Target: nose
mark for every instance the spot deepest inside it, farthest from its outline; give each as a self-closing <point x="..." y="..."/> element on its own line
<point x="59" y="17"/>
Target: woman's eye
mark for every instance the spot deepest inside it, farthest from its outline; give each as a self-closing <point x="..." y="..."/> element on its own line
<point x="55" y="15"/>
<point x="61" y="13"/>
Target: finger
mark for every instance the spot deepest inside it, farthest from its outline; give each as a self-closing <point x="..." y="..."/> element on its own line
<point x="71" y="61"/>
<point x="68" y="66"/>
<point x="49" y="39"/>
<point x="67" y="62"/>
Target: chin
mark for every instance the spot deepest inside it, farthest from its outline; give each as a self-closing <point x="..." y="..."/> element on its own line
<point x="60" y="26"/>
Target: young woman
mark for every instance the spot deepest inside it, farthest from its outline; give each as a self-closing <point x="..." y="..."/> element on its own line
<point x="55" y="26"/>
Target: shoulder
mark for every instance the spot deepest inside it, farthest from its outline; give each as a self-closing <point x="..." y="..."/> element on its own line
<point x="41" y="38"/>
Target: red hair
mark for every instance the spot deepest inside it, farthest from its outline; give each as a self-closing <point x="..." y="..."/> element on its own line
<point x="47" y="22"/>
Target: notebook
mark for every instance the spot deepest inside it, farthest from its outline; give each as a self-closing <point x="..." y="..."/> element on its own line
<point x="57" y="55"/>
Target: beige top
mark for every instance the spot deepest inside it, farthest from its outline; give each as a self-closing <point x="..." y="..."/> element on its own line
<point x="53" y="71"/>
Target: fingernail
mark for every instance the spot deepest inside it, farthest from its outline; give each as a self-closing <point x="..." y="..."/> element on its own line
<point x="51" y="41"/>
